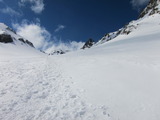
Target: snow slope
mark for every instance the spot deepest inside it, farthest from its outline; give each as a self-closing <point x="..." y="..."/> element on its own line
<point x="17" y="47"/>
<point x="33" y="86"/>
<point x="35" y="89"/>
<point x="151" y="9"/>
<point x="122" y="74"/>
<point x="116" y="80"/>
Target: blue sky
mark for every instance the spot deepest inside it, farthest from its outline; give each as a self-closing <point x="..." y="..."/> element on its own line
<point x="69" y="20"/>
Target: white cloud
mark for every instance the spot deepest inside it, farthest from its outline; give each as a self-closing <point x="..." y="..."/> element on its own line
<point x="71" y="46"/>
<point x="139" y="3"/>
<point x="36" y="5"/>
<point x="10" y="11"/>
<point x="35" y="33"/>
<point x="42" y="39"/>
<point x="59" y="28"/>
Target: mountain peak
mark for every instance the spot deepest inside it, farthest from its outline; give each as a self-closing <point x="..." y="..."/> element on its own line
<point x="152" y="8"/>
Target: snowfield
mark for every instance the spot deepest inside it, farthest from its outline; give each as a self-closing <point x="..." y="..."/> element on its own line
<point x="117" y="80"/>
<point x="123" y="74"/>
<point x="35" y="89"/>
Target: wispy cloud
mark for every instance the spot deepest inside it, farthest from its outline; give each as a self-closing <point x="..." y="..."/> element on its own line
<point x="37" y="6"/>
<point x="10" y="11"/>
<point x="137" y="4"/>
<point x="1" y="0"/>
<point x="59" y="28"/>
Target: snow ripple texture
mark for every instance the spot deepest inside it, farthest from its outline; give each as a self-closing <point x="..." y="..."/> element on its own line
<point x="35" y="89"/>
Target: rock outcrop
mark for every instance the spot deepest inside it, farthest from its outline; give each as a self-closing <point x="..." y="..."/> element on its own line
<point x="152" y="8"/>
<point x="88" y="44"/>
<point x="59" y="52"/>
<point x="29" y="43"/>
<point x="4" y="38"/>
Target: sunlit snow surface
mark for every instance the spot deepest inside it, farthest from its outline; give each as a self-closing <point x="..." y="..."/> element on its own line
<point x="117" y="80"/>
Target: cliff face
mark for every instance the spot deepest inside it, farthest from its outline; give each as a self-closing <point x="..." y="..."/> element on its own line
<point x="152" y="8"/>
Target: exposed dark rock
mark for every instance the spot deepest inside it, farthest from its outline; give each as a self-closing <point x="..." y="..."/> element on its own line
<point x="29" y="43"/>
<point x="4" y="38"/>
<point x="58" y="52"/>
<point x="127" y="29"/>
<point x="88" y="44"/>
<point x="42" y="51"/>
<point x="22" y="40"/>
<point x="150" y="9"/>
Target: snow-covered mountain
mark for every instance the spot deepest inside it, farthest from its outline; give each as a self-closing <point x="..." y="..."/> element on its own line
<point x="116" y="79"/>
<point x="7" y="35"/>
<point x="13" y="44"/>
<point x="152" y="9"/>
